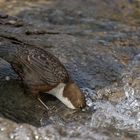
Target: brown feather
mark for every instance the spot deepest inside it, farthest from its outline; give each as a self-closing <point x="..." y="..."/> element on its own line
<point x="74" y="94"/>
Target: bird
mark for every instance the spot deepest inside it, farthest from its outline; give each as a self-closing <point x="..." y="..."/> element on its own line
<point x="42" y="72"/>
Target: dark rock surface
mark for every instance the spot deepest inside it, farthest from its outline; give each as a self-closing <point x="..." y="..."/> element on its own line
<point x="95" y="40"/>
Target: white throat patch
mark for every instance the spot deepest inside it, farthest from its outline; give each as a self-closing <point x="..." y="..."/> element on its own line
<point x="58" y="92"/>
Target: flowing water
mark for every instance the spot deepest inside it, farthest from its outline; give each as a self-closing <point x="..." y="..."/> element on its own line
<point x="102" y="53"/>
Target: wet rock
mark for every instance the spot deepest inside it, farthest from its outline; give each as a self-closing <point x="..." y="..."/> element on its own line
<point x="96" y="43"/>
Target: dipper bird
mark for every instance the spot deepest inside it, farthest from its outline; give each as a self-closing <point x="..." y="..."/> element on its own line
<point x="42" y="72"/>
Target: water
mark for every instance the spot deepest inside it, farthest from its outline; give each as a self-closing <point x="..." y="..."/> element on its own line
<point x="124" y="115"/>
<point x="106" y="47"/>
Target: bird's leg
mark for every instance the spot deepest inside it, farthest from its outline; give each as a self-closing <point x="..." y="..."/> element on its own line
<point x="35" y="92"/>
<point x="39" y="99"/>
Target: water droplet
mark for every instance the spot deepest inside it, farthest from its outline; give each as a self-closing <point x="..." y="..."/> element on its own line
<point x="129" y="91"/>
<point x="36" y="137"/>
<point x="89" y="102"/>
<point x="13" y="135"/>
<point x="7" y="78"/>
<point x="138" y="116"/>
<point x="2" y="129"/>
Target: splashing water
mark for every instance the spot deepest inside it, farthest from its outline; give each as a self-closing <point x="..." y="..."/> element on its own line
<point x="123" y="115"/>
<point x="90" y="96"/>
<point x="128" y="90"/>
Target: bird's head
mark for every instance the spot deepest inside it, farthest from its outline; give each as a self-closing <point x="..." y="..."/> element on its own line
<point x="74" y="95"/>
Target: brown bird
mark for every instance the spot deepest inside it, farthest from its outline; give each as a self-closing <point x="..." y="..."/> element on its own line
<point x="42" y="72"/>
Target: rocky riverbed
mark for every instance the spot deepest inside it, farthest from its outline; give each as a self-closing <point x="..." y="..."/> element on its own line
<point x="99" y="43"/>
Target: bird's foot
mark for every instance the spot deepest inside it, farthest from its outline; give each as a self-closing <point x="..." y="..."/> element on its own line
<point x="39" y="99"/>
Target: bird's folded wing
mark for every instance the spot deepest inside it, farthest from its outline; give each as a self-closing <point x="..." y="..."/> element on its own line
<point x="48" y="68"/>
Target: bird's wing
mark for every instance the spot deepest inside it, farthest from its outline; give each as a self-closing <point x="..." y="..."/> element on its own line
<point x="43" y="65"/>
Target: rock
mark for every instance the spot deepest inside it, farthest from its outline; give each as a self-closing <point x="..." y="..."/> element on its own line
<point x="96" y="41"/>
